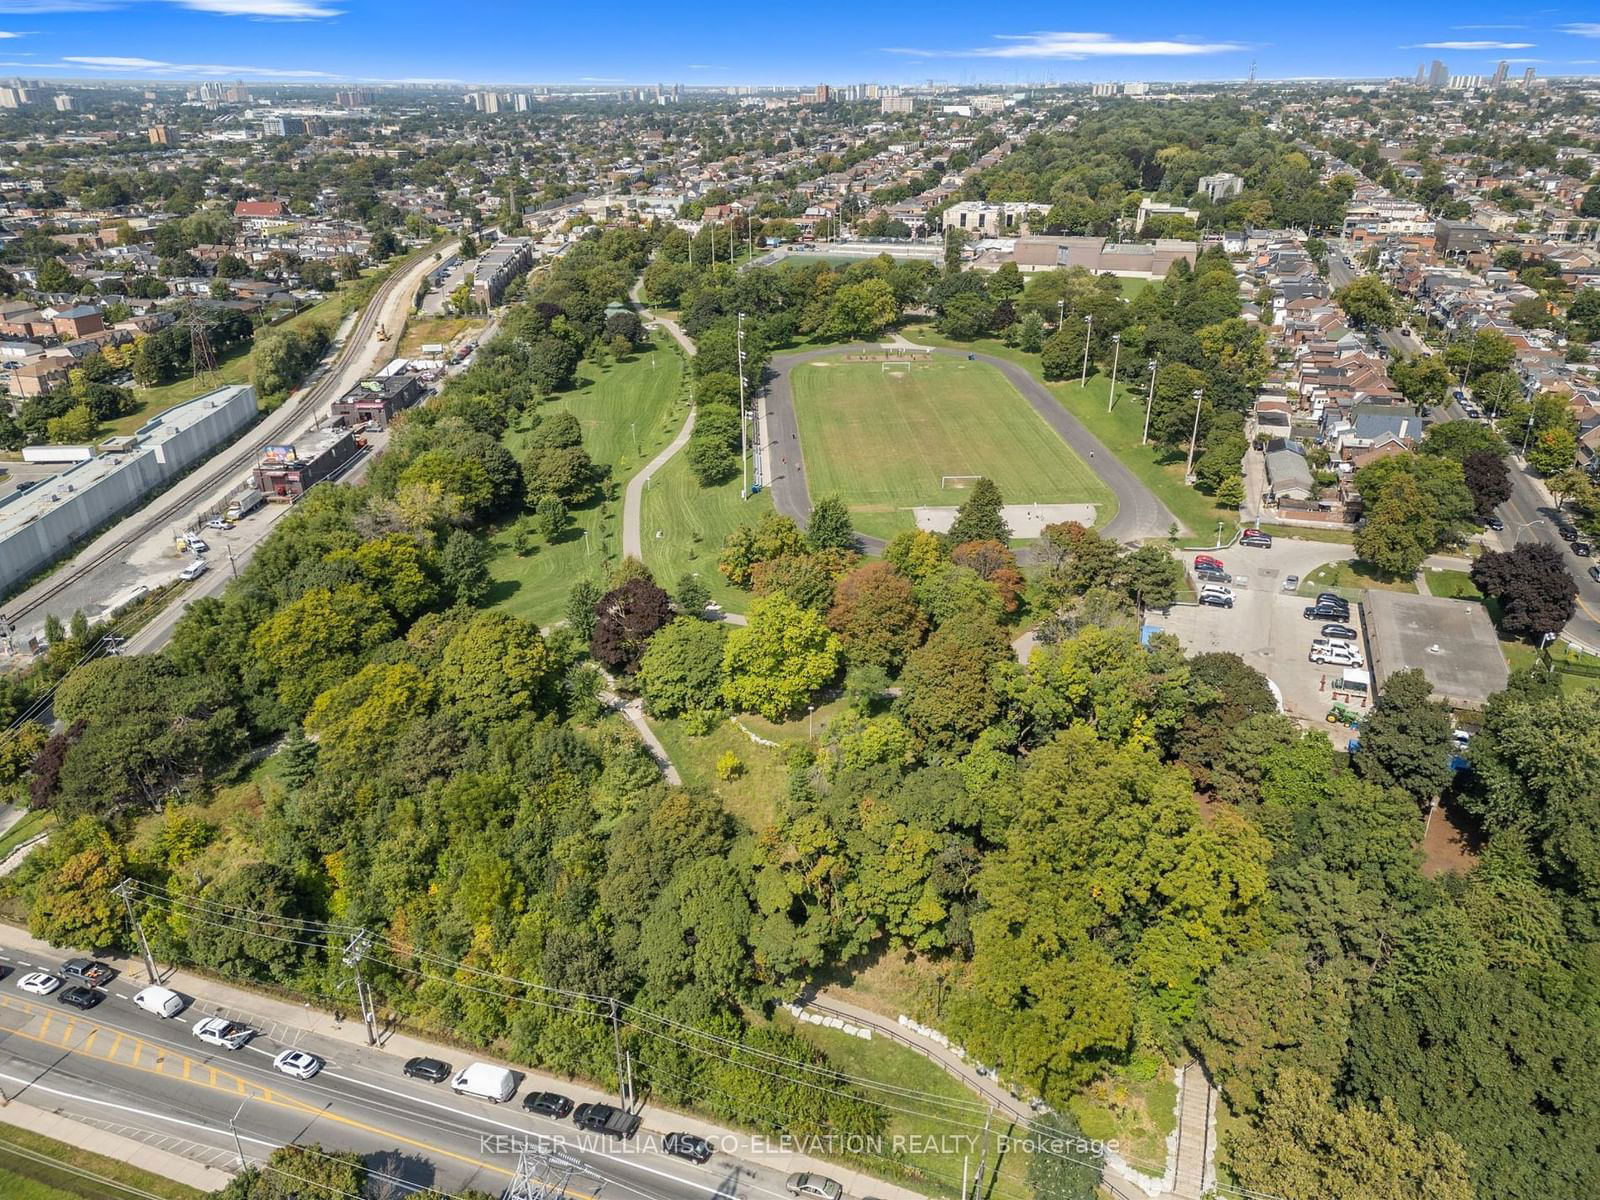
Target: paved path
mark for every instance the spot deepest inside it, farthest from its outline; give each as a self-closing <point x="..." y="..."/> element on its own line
<point x="1139" y="514"/>
<point x="633" y="496"/>
<point x="1197" y="1115"/>
<point x="633" y="713"/>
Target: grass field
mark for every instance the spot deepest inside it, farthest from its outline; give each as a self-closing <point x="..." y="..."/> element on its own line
<point x="34" y="1167"/>
<point x="628" y="399"/>
<point x="423" y="330"/>
<point x="883" y="441"/>
<point x="1119" y="429"/>
<point x="1454" y="585"/>
<point x="693" y="523"/>
<point x="31" y="823"/>
<point x="1350" y="579"/>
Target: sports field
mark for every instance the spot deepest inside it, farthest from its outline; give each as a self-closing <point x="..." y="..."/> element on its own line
<point x="885" y="440"/>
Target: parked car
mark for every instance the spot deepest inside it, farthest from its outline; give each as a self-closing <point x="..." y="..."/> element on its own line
<point x="1291" y="582"/>
<point x="810" y="1186"/>
<point x="1566" y="533"/>
<point x="194" y="570"/>
<point x="1326" y="612"/>
<point x="1493" y="522"/>
<point x="1337" y="656"/>
<point x="1216" y="600"/>
<point x="163" y="1002"/>
<point x="547" y="1104"/>
<point x="219" y="1031"/>
<point x="196" y="543"/>
<point x="81" y="997"/>
<point x="298" y="1064"/>
<point x="1343" y="632"/>
<point x="1212" y="576"/>
<point x="1594" y="573"/>
<point x="1213" y="589"/>
<point x="432" y="1069"/>
<point x="605" y="1118"/>
<point x="95" y="974"/>
<point x="1255" y="538"/>
<point x="38" y="983"/>
<point x="219" y="523"/>
<point x="1582" y="549"/>
<point x="687" y="1145"/>
<point x="1208" y="562"/>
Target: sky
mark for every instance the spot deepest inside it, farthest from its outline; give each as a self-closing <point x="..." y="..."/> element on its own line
<point x="720" y="42"/>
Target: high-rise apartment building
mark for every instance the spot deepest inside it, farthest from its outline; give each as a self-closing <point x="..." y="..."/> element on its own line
<point x="1438" y="75"/>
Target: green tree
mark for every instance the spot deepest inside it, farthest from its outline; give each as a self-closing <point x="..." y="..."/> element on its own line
<point x="1423" y="380"/>
<point x="1458" y="439"/>
<point x="691" y="595"/>
<point x="69" y="884"/>
<point x="1550" y="450"/>
<point x="979" y="518"/>
<point x="582" y="598"/>
<point x="1406" y="739"/>
<point x="946" y="698"/>
<point x="301" y="1173"/>
<point x="876" y="616"/>
<point x="311" y="643"/>
<point x="779" y="659"/>
<point x="1368" y="302"/>
<point x="681" y="670"/>
<point x="1150" y="576"/>
<point x="829" y="526"/>
<point x="551" y="518"/>
<point x="771" y="537"/>
<point x="495" y="669"/>
<point x="860" y="310"/>
<point x="464" y="568"/>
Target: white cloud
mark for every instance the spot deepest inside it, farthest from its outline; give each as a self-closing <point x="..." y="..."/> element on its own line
<point x="1589" y="29"/>
<point x="263" y="10"/>
<point x="707" y="67"/>
<point x="1471" y="46"/>
<point x="599" y="79"/>
<point x="12" y="35"/>
<point x="32" y="7"/>
<point x="1488" y="27"/>
<point x="113" y="62"/>
<point x="1074" y="46"/>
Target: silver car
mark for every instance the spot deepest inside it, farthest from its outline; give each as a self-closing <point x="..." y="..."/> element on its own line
<point x="809" y="1186"/>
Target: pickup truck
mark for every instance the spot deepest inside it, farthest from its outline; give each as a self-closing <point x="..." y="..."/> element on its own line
<point x="605" y="1118"/>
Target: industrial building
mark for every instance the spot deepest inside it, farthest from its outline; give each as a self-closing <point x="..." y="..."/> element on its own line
<point x="377" y="400"/>
<point x="288" y="472"/>
<point x="56" y="515"/>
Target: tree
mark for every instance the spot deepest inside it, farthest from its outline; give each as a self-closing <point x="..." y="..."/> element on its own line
<point x="691" y="595"/>
<point x="1150" y="576"/>
<point x="711" y="461"/>
<point x="1367" y="301"/>
<point x="301" y="1173"/>
<point x="1307" y="1146"/>
<point x="77" y="424"/>
<point x="1590" y="205"/>
<point x="70" y="883"/>
<point x="1406" y="740"/>
<point x="552" y="364"/>
<point x="550" y="518"/>
<point x="1064" y="1165"/>
<point x="1458" y="439"/>
<point x="1393" y="537"/>
<point x="625" y="618"/>
<point x="979" y="518"/>
<point x="1486" y="352"/>
<point x="779" y="659"/>
<point x="582" y="600"/>
<point x="1423" y="380"/>
<point x="945" y="698"/>
<point x="496" y="668"/>
<point x="1552" y="450"/>
<point x="681" y="669"/>
<point x="260" y="941"/>
<point x="1488" y="479"/>
<point x="829" y="526"/>
<point x="1062" y="355"/>
<point x="965" y="316"/>
<point x="1533" y="313"/>
<point x="771" y="537"/>
<point x="860" y="310"/>
<point x="464" y="568"/>
<point x="876" y="616"/>
<point x="1530" y="583"/>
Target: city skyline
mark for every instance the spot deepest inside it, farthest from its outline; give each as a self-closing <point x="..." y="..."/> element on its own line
<point x="333" y="41"/>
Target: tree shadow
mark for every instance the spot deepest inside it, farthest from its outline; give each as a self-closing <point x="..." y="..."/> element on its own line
<point x="502" y="590"/>
<point x="392" y="1175"/>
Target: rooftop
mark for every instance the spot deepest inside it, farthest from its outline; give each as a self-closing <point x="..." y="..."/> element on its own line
<point x="1452" y="641"/>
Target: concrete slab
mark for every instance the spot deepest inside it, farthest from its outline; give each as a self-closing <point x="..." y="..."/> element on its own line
<point x="1453" y="642"/>
<point x="1024" y="520"/>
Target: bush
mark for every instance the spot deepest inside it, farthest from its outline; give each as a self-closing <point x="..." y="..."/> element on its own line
<point x="729" y="766"/>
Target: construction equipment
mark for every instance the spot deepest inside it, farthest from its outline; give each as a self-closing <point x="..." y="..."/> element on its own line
<point x="383" y="333"/>
<point x="1341" y="714"/>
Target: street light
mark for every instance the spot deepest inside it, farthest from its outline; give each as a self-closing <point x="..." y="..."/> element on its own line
<point x="1116" y="351"/>
<point x="1144" y="439"/>
<point x="1194" y="436"/>
<point x="1526" y="434"/>
<point x="1088" y="334"/>
<point x="1061" y="313"/>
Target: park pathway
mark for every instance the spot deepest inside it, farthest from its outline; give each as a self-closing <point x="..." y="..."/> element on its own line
<point x="633" y="495"/>
<point x="1197" y="1137"/>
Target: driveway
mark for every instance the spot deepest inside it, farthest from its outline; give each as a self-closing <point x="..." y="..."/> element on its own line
<point x="1139" y="514"/>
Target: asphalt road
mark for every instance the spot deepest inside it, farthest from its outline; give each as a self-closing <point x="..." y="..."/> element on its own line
<point x="1139" y="514"/>
<point x="118" y="1066"/>
<point x="1397" y="343"/>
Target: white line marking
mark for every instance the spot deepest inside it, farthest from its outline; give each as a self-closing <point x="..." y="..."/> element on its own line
<point x="161" y="1116"/>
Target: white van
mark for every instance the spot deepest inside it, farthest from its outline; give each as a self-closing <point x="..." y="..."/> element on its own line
<point x="164" y="1002"/>
<point x="485" y="1082"/>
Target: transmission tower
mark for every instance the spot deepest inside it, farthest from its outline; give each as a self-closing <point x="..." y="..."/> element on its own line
<point x="546" y="1175"/>
<point x="201" y="357"/>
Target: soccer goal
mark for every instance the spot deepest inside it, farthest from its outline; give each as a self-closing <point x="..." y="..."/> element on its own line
<point x="951" y="483"/>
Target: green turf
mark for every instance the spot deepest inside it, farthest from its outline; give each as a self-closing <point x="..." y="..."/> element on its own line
<point x="35" y="1167"/>
<point x="626" y="400"/>
<point x="1454" y="585"/>
<point x="30" y="824"/>
<point x="883" y="441"/>
<point x="693" y="522"/>
<point x="1350" y="579"/>
<point x="1120" y="430"/>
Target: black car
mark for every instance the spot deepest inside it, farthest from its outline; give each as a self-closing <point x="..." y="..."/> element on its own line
<point x="547" y="1104"/>
<point x="605" y="1118"/>
<point x="95" y="974"/>
<point x="1494" y="523"/>
<point x="1567" y="533"/>
<point x="1326" y="612"/>
<point x="1594" y="573"/>
<point x="431" y="1069"/>
<point x="1216" y="600"/>
<point x="1582" y="549"/>
<point x="1210" y="576"/>
<point x="1331" y="598"/>
<point x="1341" y="632"/>
<point x="81" y="997"/>
<point x="686" y="1145"/>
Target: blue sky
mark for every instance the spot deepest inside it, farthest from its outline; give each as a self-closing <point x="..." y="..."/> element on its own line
<point x="718" y="42"/>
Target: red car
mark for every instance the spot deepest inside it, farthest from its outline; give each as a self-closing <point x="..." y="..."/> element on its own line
<point x="1205" y="560"/>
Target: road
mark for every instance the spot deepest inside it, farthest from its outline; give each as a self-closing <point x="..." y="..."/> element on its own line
<point x="120" y="1068"/>
<point x="1530" y="515"/>
<point x="1397" y="343"/>
<point x="1139" y="514"/>
<point x="138" y="548"/>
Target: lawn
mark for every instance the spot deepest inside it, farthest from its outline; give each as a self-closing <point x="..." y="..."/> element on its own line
<point x="684" y="525"/>
<point x="1310" y="533"/>
<point x="752" y="795"/>
<point x="883" y="441"/>
<point x="444" y="330"/>
<point x="34" y="1167"/>
<point x="1120" y="430"/>
<point x="30" y="824"/>
<point x="928" y="1137"/>
<point x="634" y="399"/>
<point x="1349" y="579"/>
<point x="1453" y="585"/>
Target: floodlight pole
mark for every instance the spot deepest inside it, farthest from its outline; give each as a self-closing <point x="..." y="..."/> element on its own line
<point x="1149" y="402"/>
<point x="1088" y="336"/>
<point x="1194" y="436"/>
<point x="744" y="464"/>
<point x="1116" y="351"/>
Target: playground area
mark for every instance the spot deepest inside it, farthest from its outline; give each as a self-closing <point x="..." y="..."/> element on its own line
<point x="893" y="431"/>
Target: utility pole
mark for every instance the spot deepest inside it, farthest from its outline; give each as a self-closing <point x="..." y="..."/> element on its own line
<point x="124" y="889"/>
<point x="1149" y="402"/>
<point x="744" y="464"/>
<point x="1116" y="352"/>
<point x="1088" y="336"/>
<point x="354" y="952"/>
<point x="1194" y="436"/>
<point x="233" y="1124"/>
<point x="232" y="565"/>
<point x="616" y="1041"/>
<point x="983" y="1157"/>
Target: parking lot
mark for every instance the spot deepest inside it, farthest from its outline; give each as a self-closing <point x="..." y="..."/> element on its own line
<point x="1266" y="628"/>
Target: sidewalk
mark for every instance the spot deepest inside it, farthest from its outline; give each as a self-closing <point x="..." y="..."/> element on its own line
<point x="762" y="1160"/>
<point x="114" y="1145"/>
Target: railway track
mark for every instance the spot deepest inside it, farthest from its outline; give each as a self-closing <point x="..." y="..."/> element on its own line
<point x="232" y="459"/>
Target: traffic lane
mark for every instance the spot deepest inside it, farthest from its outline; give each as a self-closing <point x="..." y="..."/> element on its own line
<point x="359" y="1089"/>
<point x="1529" y="517"/>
